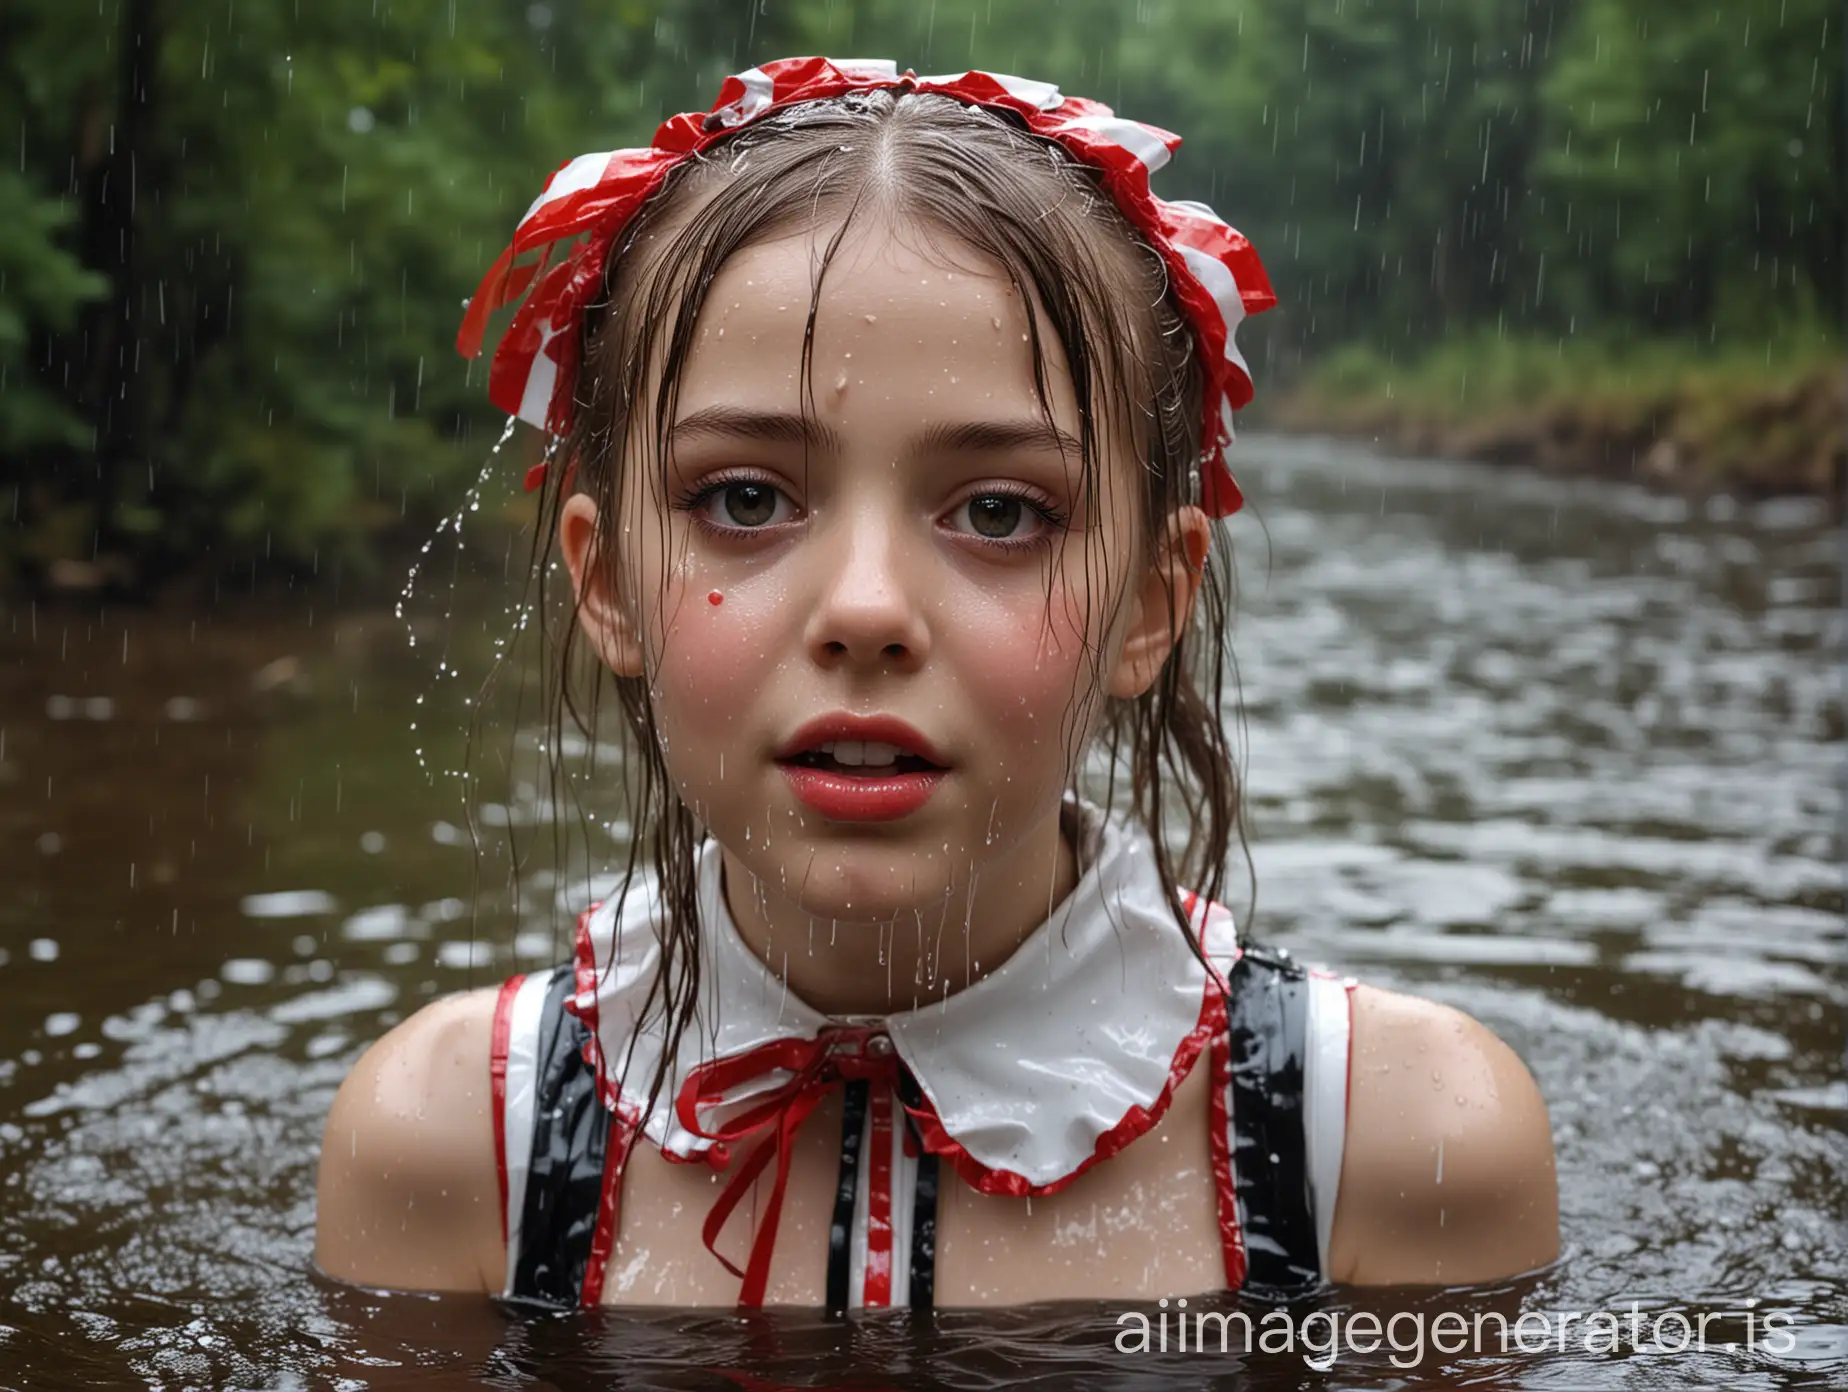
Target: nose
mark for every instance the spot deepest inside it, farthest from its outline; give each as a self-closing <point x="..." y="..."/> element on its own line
<point x="866" y="609"/>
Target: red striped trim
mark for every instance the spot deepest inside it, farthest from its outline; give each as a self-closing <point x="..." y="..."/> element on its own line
<point x="1225" y="1186"/>
<point x="582" y="1002"/>
<point x="876" y="1292"/>
<point x="609" y="1206"/>
<point x="599" y="194"/>
<point x="497" y="1071"/>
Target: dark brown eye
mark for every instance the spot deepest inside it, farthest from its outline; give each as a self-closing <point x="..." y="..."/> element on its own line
<point x="995" y="515"/>
<point x="750" y="504"/>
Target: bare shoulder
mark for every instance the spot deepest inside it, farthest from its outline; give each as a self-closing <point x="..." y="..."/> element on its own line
<point x="409" y="1193"/>
<point x="1448" y="1171"/>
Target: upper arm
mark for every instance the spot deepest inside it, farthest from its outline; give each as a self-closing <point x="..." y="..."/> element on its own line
<point x="409" y="1192"/>
<point x="1448" y="1173"/>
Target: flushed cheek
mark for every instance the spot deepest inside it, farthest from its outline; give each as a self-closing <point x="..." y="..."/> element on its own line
<point x="715" y="661"/>
<point x="1022" y="665"/>
<point x="708" y="648"/>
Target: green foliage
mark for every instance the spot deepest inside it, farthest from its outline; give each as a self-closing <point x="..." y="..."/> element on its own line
<point x="235" y="238"/>
<point x="1753" y="418"/>
<point x="40" y="283"/>
<point x="230" y="298"/>
<point x="1479" y="372"/>
<point x="1698" y="153"/>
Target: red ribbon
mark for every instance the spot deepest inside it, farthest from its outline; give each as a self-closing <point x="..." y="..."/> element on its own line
<point x="600" y="193"/>
<point x="814" y="1067"/>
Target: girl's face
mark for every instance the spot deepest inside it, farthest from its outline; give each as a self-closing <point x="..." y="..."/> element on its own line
<point x="931" y="559"/>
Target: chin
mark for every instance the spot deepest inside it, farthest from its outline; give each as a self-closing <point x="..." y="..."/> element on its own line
<point x="858" y="880"/>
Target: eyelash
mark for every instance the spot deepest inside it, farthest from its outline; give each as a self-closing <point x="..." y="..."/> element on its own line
<point x="694" y="499"/>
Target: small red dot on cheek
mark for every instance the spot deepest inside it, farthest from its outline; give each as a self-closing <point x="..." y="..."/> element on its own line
<point x="715" y="598"/>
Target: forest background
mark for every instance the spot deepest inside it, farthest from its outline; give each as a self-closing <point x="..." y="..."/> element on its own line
<point x="235" y="235"/>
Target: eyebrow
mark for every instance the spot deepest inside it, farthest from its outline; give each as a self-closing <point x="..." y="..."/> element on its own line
<point x="942" y="437"/>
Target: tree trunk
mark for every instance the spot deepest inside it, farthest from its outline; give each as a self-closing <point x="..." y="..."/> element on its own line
<point x="116" y="395"/>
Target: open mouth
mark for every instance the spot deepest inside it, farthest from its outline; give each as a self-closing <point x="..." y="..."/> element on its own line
<point x="862" y="758"/>
<point x="854" y="780"/>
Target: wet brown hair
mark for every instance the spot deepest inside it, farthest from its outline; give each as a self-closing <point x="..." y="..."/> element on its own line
<point x="977" y="178"/>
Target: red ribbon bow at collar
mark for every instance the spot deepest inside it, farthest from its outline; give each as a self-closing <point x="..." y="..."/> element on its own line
<point x="813" y="1067"/>
<point x="1214" y="272"/>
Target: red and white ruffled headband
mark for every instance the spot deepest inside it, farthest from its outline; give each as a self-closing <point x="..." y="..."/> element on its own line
<point x="1214" y="271"/>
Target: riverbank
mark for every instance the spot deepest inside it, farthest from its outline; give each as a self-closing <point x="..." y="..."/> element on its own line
<point x="1727" y="423"/>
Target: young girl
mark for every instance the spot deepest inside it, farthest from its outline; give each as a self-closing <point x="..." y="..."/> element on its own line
<point x="894" y="415"/>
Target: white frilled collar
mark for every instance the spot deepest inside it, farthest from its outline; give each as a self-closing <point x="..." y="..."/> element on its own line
<point x="1059" y="1057"/>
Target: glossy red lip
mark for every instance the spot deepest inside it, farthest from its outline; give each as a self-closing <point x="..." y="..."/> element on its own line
<point x="842" y="725"/>
<point x="847" y="797"/>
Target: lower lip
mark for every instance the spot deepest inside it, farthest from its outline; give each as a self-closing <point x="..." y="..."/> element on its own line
<point x="846" y="797"/>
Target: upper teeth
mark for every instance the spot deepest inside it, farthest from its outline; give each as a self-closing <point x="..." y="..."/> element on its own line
<point x="862" y="751"/>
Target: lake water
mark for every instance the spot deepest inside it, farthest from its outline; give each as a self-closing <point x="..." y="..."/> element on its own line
<point x="1566" y="755"/>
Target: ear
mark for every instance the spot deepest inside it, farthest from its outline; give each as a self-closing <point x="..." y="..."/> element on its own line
<point x="599" y="604"/>
<point x="1178" y="569"/>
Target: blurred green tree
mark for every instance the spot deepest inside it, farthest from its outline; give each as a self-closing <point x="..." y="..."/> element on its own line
<point x="1694" y="161"/>
<point x="239" y="243"/>
<point x="235" y="239"/>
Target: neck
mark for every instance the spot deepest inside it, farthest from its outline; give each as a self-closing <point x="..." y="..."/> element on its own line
<point x="928" y="952"/>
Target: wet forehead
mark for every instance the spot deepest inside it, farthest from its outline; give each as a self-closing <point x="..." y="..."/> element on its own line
<point x="902" y="335"/>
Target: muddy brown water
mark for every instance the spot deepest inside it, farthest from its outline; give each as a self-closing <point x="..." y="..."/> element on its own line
<point x="1568" y="756"/>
